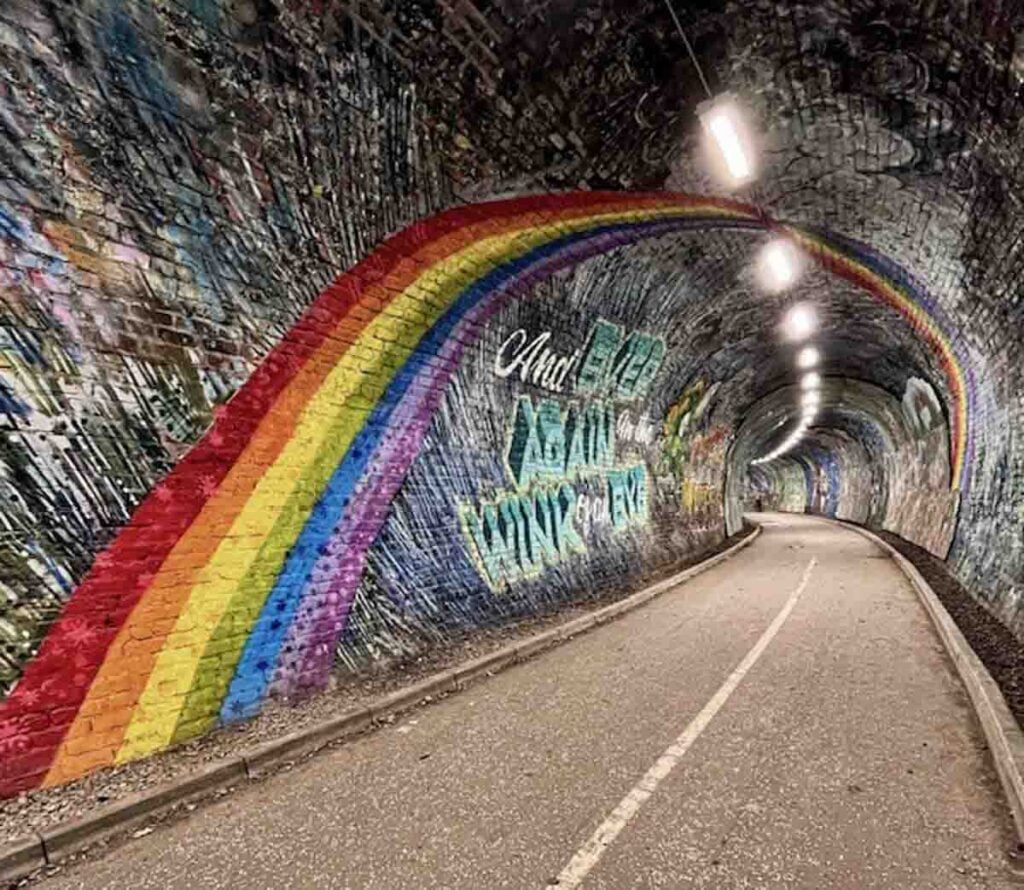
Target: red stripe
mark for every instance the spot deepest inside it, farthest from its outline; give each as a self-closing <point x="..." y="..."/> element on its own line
<point x="36" y="715"/>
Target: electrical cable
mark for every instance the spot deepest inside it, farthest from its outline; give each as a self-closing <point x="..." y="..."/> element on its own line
<point x="689" y="48"/>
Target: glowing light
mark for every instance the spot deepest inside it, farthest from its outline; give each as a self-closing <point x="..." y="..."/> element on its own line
<point x="723" y="122"/>
<point x="811" y="380"/>
<point x="810" y="399"/>
<point x="808" y="357"/>
<point x="790" y="442"/>
<point x="800" y="322"/>
<point x="779" y="265"/>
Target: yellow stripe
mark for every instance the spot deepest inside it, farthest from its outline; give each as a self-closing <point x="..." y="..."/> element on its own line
<point x="323" y="433"/>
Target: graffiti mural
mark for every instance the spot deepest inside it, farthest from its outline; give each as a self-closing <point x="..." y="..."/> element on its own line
<point x="693" y="452"/>
<point x="550" y="449"/>
<point x="921" y="506"/>
<point x="434" y="445"/>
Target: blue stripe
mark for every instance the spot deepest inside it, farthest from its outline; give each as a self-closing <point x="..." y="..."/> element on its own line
<point x="262" y="648"/>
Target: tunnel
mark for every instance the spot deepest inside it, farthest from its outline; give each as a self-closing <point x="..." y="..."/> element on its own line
<point x="337" y="333"/>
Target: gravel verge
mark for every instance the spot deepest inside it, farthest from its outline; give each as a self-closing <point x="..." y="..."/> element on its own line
<point x="44" y="809"/>
<point x="997" y="648"/>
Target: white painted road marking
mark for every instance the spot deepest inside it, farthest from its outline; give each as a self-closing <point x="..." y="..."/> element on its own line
<point x="588" y="855"/>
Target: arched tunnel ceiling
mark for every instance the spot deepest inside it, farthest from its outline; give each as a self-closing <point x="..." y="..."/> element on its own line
<point x="728" y="327"/>
<point x="855" y="410"/>
<point x="893" y="123"/>
<point x="889" y="122"/>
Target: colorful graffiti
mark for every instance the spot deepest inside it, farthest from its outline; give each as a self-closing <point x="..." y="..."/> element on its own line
<point x="518" y="533"/>
<point x="693" y="451"/>
<point x="682" y="423"/>
<point x="237" y="574"/>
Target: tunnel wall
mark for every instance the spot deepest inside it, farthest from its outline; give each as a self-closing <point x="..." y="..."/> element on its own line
<point x="902" y="489"/>
<point x="181" y="184"/>
<point x="870" y="457"/>
<point x="438" y="443"/>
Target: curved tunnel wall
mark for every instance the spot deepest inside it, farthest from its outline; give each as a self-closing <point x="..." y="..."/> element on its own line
<point x="870" y="458"/>
<point x="182" y="181"/>
<point x="238" y="573"/>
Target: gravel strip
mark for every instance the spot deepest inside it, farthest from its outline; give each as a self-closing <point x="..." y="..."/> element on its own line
<point x="44" y="809"/>
<point x="997" y="648"/>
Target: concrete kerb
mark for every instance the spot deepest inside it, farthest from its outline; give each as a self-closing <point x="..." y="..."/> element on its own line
<point x="21" y="857"/>
<point x="1002" y="733"/>
<point x="36" y="851"/>
<point x="62" y="841"/>
<point x="261" y="759"/>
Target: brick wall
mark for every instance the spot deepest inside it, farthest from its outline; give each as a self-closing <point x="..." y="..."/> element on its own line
<point x="183" y="181"/>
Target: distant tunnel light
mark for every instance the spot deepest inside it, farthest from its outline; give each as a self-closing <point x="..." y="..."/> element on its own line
<point x="795" y="436"/>
<point x="779" y="265"/>
<point x="800" y="322"/>
<point x="808" y="357"/>
<point x="723" y="122"/>
<point x="810" y="380"/>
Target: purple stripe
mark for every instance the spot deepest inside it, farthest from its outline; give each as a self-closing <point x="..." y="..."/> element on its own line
<point x="308" y="653"/>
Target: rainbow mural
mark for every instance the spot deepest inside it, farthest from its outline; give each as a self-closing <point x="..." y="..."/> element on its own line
<point x="234" y="577"/>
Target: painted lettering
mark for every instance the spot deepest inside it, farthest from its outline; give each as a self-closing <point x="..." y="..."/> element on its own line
<point x="534" y="360"/>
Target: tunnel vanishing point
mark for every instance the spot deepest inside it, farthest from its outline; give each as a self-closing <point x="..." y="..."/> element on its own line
<point x="335" y="333"/>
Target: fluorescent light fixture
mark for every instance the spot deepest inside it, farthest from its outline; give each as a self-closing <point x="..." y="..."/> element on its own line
<point x="732" y="156"/>
<point x="810" y="380"/>
<point x="800" y="322"/>
<point x="808" y="357"/>
<point x="778" y="265"/>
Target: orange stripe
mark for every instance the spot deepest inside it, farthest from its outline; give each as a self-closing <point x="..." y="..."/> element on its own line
<point x="99" y="726"/>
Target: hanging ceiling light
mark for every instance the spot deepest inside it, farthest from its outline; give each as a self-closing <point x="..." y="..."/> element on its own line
<point x="729" y="145"/>
<point x="808" y="357"/>
<point x="778" y="265"/>
<point x="800" y="322"/>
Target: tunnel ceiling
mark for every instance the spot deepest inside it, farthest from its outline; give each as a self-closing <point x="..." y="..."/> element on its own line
<point x="892" y="123"/>
<point x="896" y="124"/>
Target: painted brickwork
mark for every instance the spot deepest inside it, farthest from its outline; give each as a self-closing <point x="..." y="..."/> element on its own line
<point x="218" y="594"/>
<point x="226" y="469"/>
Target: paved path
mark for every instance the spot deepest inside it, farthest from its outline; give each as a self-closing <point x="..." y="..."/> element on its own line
<point x="845" y="757"/>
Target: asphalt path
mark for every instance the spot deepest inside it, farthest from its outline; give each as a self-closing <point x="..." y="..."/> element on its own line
<point x="786" y="719"/>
